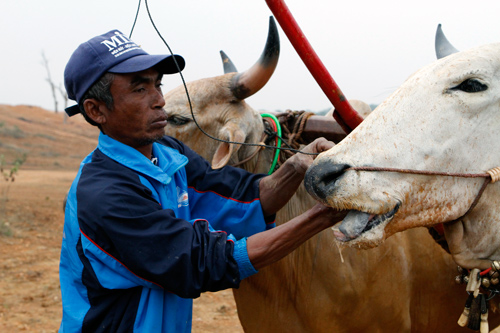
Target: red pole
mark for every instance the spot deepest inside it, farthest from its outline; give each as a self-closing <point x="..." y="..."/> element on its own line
<point x="344" y="114"/>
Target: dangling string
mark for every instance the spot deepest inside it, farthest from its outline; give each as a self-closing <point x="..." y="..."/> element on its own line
<point x="135" y="20"/>
<point x="189" y="99"/>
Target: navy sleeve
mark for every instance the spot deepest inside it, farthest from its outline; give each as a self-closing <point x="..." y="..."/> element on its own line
<point x="118" y="214"/>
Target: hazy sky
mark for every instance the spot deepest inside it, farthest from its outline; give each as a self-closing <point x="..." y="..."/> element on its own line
<point x="369" y="47"/>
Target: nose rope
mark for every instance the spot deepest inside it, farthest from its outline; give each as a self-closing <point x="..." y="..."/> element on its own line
<point x="491" y="176"/>
<point x="495" y="171"/>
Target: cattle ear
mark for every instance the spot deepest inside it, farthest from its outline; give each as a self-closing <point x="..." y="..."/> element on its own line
<point x="226" y="150"/>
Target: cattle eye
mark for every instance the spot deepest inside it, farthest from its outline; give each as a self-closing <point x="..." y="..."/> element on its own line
<point x="471" y="86"/>
<point x="178" y="120"/>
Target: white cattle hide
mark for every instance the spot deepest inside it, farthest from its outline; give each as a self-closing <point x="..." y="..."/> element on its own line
<point x="445" y="118"/>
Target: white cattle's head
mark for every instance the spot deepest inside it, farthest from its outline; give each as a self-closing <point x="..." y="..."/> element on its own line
<point x="220" y="109"/>
<point x="444" y="118"/>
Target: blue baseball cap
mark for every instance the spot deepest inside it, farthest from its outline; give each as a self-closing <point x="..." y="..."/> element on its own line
<point x="111" y="52"/>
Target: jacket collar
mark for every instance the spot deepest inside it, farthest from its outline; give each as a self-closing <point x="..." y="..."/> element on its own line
<point x="169" y="160"/>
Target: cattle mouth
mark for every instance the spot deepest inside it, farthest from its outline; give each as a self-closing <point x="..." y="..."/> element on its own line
<point x="356" y="223"/>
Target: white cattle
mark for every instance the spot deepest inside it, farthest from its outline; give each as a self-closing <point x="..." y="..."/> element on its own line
<point x="406" y="285"/>
<point x="423" y="158"/>
<point x="444" y="118"/>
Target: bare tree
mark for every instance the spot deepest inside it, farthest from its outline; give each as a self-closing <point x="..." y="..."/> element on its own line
<point x="53" y="86"/>
<point x="64" y="95"/>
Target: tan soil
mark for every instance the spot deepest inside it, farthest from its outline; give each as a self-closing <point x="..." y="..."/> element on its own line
<point x="31" y="222"/>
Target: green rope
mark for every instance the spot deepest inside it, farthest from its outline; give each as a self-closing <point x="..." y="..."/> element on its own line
<point x="278" y="130"/>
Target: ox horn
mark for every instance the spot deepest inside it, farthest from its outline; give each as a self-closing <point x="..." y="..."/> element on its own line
<point x="252" y="80"/>
<point x="442" y="45"/>
<point x="229" y="67"/>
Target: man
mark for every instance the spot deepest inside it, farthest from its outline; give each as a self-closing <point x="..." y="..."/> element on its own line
<point x="149" y="225"/>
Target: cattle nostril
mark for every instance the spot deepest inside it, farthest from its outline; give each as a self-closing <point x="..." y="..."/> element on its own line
<point x="333" y="173"/>
<point x="320" y="177"/>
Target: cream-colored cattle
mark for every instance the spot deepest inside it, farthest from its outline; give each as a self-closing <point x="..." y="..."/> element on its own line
<point x="445" y="117"/>
<point x="405" y="285"/>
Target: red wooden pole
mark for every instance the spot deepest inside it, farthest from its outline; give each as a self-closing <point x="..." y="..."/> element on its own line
<point x="344" y="114"/>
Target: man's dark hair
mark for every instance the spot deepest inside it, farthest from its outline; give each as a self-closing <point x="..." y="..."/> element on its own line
<point x="101" y="91"/>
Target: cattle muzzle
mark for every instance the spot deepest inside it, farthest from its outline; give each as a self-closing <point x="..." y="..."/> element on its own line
<point x="320" y="177"/>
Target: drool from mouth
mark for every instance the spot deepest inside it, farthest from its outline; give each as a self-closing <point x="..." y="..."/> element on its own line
<point x="356" y="223"/>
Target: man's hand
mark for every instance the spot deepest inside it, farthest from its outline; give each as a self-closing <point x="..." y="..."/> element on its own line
<point x="302" y="162"/>
<point x="278" y="188"/>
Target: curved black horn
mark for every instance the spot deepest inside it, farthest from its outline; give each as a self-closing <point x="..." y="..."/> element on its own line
<point x="252" y="80"/>
<point x="442" y="45"/>
<point x="229" y="67"/>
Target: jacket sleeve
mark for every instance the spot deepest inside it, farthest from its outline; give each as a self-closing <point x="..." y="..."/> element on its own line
<point x="127" y="236"/>
<point x="227" y="197"/>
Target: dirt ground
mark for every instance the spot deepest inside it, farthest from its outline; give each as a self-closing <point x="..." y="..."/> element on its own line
<point x="31" y="222"/>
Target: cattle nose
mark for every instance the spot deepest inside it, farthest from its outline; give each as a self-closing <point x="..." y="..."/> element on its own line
<point x="320" y="177"/>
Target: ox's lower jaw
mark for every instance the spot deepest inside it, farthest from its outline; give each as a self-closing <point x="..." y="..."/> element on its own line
<point x="463" y="255"/>
<point x="363" y="230"/>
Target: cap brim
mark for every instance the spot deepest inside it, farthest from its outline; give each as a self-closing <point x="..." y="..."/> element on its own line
<point x="165" y="64"/>
<point x="72" y="110"/>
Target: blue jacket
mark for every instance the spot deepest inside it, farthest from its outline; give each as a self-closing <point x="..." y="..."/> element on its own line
<point x="141" y="240"/>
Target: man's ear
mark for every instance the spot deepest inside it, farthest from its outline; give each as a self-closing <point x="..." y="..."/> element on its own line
<point x="96" y="110"/>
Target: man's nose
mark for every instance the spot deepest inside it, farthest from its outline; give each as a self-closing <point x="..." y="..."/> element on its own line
<point x="159" y="101"/>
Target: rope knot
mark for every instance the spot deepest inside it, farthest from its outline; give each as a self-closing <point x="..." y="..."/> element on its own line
<point x="494" y="174"/>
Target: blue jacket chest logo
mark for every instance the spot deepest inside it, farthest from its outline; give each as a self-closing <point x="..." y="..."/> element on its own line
<point x="182" y="198"/>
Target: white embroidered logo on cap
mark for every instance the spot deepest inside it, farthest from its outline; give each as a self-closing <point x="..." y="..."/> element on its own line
<point x="120" y="44"/>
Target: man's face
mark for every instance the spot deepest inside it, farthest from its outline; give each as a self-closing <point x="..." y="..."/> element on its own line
<point x="137" y="118"/>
